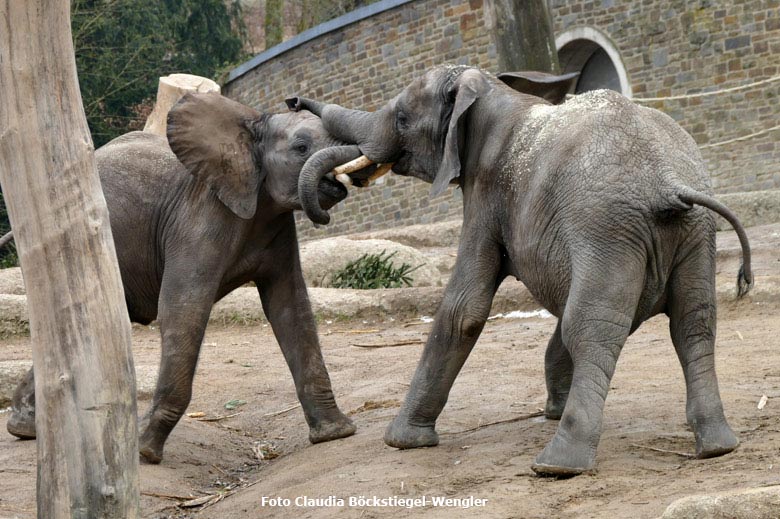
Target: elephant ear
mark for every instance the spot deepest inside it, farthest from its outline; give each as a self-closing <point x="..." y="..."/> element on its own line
<point x="469" y="87"/>
<point x="212" y="136"/>
<point x="541" y="84"/>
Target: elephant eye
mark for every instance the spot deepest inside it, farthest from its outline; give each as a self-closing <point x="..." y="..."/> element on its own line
<point x="401" y="121"/>
<point x="301" y="148"/>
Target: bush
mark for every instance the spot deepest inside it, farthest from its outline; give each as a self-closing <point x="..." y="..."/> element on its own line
<point x="373" y="271"/>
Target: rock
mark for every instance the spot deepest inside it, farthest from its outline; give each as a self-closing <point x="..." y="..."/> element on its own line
<point x="169" y="90"/>
<point x="322" y="258"/>
<point x="752" y="207"/>
<point x="441" y="234"/>
<point x="754" y="503"/>
<point x="11" y="281"/>
<point x="13" y="315"/>
<point x="11" y="373"/>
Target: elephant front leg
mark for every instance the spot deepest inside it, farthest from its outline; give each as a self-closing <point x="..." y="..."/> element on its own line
<point x="456" y="328"/>
<point x="21" y="423"/>
<point x="286" y="305"/>
<point x="184" y="313"/>
<point x="558" y="370"/>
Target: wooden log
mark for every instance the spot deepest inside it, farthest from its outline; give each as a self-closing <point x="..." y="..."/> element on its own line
<point x="84" y="381"/>
<point x="169" y="90"/>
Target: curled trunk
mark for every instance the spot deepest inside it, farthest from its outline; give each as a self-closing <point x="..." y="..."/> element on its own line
<point x="373" y="132"/>
<point x="319" y="165"/>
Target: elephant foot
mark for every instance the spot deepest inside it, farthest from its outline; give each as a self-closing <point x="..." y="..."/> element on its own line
<point x="328" y="430"/>
<point x="150" y="448"/>
<point x="714" y="440"/>
<point x="563" y="459"/>
<point x="556" y="402"/>
<point x="403" y="435"/>
<point x="22" y="424"/>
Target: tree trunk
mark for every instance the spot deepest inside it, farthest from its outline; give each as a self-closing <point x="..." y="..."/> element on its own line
<point x="84" y="378"/>
<point x="523" y="35"/>
<point x="169" y="90"/>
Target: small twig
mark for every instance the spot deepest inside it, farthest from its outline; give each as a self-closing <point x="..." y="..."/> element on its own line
<point x="276" y="413"/>
<point x="218" y="418"/>
<point x="357" y="332"/>
<point x="166" y="496"/>
<point x="221" y="471"/>
<point x="656" y="449"/>
<point x="388" y="344"/>
<point x="508" y="420"/>
<point x="10" y="236"/>
<point x="416" y="323"/>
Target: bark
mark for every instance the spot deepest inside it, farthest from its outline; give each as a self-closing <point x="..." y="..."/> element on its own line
<point x="523" y="35"/>
<point x="85" y="387"/>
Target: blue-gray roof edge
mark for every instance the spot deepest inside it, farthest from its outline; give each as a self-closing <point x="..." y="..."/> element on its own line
<point x="315" y="32"/>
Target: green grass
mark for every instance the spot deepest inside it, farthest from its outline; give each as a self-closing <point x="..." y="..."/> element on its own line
<point x="371" y="271"/>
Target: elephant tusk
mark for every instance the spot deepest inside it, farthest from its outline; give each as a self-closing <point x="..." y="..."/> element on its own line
<point x="344" y="179"/>
<point x="352" y="166"/>
<point x="342" y="172"/>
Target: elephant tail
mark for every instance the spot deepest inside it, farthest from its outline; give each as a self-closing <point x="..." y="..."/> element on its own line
<point x="689" y="197"/>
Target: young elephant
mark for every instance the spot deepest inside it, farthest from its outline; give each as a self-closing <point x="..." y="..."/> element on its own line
<point x="192" y="222"/>
<point x="591" y="204"/>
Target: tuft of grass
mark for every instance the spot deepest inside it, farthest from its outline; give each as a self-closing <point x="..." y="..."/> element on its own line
<point x="372" y="271"/>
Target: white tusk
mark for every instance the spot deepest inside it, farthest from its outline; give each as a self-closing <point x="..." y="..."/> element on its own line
<point x="352" y="166"/>
<point x="344" y="179"/>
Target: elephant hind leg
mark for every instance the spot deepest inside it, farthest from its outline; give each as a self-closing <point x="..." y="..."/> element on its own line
<point x="692" y="316"/>
<point x="558" y="370"/>
<point x="595" y="324"/>
<point x="21" y="423"/>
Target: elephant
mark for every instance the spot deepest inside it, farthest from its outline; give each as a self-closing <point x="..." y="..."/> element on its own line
<point x="601" y="207"/>
<point x="197" y="216"/>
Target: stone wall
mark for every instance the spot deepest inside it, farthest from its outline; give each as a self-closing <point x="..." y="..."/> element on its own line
<point x="668" y="48"/>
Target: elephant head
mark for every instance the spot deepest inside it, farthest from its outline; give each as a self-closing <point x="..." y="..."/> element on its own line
<point x="242" y="154"/>
<point x="422" y="129"/>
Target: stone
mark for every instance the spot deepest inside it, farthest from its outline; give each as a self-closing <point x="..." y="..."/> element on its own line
<point x="11" y="281"/>
<point x="321" y="259"/>
<point x="754" y="503"/>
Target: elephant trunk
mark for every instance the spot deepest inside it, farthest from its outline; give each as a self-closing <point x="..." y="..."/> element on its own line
<point x="319" y="165"/>
<point x="373" y="132"/>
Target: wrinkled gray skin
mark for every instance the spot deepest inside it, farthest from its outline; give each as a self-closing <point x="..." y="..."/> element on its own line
<point x="182" y="246"/>
<point x="590" y="205"/>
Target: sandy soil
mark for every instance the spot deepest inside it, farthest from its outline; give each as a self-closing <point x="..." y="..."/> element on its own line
<point x="502" y="381"/>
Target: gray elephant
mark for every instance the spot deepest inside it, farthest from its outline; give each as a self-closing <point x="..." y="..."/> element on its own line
<point x="593" y="204"/>
<point x="191" y="229"/>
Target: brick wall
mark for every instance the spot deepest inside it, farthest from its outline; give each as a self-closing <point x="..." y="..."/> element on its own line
<point x="668" y="48"/>
<point x="681" y="47"/>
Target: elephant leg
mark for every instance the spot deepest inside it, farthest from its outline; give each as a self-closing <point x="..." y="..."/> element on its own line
<point x="286" y="304"/>
<point x="558" y="370"/>
<point x="183" y="315"/>
<point x="21" y="423"/>
<point x="456" y="328"/>
<point x="595" y="325"/>
<point x="692" y="317"/>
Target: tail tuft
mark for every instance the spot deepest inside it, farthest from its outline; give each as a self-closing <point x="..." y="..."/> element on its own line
<point x="743" y="283"/>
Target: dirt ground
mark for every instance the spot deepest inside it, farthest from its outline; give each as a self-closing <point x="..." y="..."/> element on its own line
<point x="501" y="382"/>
